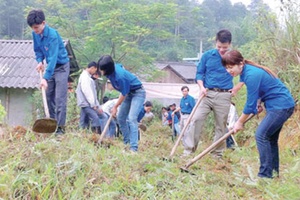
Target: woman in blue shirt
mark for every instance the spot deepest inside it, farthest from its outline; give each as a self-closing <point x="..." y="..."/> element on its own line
<point x="131" y="98"/>
<point x="263" y="85"/>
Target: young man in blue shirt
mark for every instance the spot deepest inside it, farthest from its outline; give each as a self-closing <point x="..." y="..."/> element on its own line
<point x="216" y="85"/>
<point x="187" y="104"/>
<point x="263" y="85"/>
<point x="48" y="45"/>
<point x="131" y="98"/>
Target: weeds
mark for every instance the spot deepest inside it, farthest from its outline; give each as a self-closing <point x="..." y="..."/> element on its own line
<point x="36" y="166"/>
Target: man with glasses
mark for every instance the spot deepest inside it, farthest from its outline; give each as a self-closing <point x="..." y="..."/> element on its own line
<point x="215" y="83"/>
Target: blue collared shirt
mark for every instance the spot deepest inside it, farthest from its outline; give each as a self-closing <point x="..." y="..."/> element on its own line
<point x="187" y="104"/>
<point x="49" y="45"/>
<point x="211" y="71"/>
<point x="176" y="120"/>
<point x="123" y="81"/>
<point x="261" y="85"/>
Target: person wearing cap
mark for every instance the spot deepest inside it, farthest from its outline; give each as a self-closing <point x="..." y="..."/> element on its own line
<point x="131" y="98"/>
<point x="48" y="45"/>
<point x="87" y="99"/>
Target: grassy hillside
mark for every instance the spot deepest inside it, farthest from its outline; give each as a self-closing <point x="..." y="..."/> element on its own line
<point x="37" y="166"/>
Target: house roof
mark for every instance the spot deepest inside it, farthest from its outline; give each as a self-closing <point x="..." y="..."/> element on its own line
<point x="17" y="64"/>
<point x="185" y="70"/>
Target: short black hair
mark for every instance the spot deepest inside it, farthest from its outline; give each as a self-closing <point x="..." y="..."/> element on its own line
<point x="106" y="64"/>
<point x="105" y="99"/>
<point x="185" y="87"/>
<point x="224" y="36"/>
<point x="92" y="64"/>
<point x="148" y="104"/>
<point x="35" y="16"/>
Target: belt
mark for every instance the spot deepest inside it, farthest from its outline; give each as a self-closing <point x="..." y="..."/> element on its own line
<point x="137" y="88"/>
<point x="218" y="90"/>
<point x="185" y="113"/>
<point x="59" y="65"/>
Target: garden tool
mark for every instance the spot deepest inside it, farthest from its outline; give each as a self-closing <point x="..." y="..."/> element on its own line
<point x="210" y="148"/>
<point x="184" y="128"/>
<point x="105" y="129"/>
<point x="44" y="125"/>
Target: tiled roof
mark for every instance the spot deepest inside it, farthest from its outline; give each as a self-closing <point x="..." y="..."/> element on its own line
<point x="186" y="70"/>
<point x="17" y="64"/>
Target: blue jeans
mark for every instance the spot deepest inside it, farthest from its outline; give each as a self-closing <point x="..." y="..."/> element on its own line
<point x="266" y="136"/>
<point x="88" y="115"/>
<point x="129" y="110"/>
<point x="57" y="94"/>
<point x="176" y="129"/>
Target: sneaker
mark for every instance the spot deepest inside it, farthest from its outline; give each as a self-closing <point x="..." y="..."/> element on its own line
<point x="59" y="131"/>
<point x="216" y="156"/>
<point x="185" y="154"/>
<point x="129" y="152"/>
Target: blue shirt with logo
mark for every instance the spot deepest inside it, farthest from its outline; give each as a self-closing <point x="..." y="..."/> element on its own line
<point x="187" y="104"/>
<point x="123" y="81"/>
<point x="49" y="45"/>
<point x="261" y="85"/>
<point x="211" y="71"/>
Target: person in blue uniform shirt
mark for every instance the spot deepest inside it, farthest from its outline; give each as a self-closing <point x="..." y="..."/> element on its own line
<point x="216" y="86"/>
<point x="48" y="44"/>
<point x="131" y="98"/>
<point x="187" y="104"/>
<point x="147" y="106"/>
<point x="263" y="86"/>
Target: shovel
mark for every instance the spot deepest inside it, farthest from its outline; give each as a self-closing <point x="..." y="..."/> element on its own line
<point x="44" y="125"/>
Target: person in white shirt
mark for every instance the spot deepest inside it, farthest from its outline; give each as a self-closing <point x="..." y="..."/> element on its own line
<point x="231" y="119"/>
<point x="87" y="99"/>
<point x="107" y="107"/>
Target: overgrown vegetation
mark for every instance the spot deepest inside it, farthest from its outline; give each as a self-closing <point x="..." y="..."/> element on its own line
<point x="37" y="166"/>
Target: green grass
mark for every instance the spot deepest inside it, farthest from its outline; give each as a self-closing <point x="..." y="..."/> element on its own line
<point x="36" y="166"/>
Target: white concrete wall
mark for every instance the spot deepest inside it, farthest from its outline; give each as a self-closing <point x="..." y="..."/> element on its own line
<point x="18" y="105"/>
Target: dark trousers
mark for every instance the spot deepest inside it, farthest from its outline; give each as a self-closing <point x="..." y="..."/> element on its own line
<point x="57" y="94"/>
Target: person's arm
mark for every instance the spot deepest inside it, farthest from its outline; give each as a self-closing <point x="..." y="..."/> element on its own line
<point x="115" y="108"/>
<point x="236" y="88"/>
<point x="239" y="125"/>
<point x="39" y="56"/>
<point x="200" y="74"/>
<point x="52" y="58"/>
<point x="176" y="110"/>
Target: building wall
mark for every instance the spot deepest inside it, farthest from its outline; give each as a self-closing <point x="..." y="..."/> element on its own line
<point x="18" y="106"/>
<point x="170" y="77"/>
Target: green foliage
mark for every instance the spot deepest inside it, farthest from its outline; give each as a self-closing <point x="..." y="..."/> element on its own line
<point x="37" y="166"/>
<point x="2" y="113"/>
<point x="156" y="109"/>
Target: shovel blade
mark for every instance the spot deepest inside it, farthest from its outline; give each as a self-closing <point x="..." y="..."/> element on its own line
<point x="46" y="125"/>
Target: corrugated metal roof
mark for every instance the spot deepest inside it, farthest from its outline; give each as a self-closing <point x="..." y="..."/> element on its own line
<point x="186" y="70"/>
<point x="17" y="64"/>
